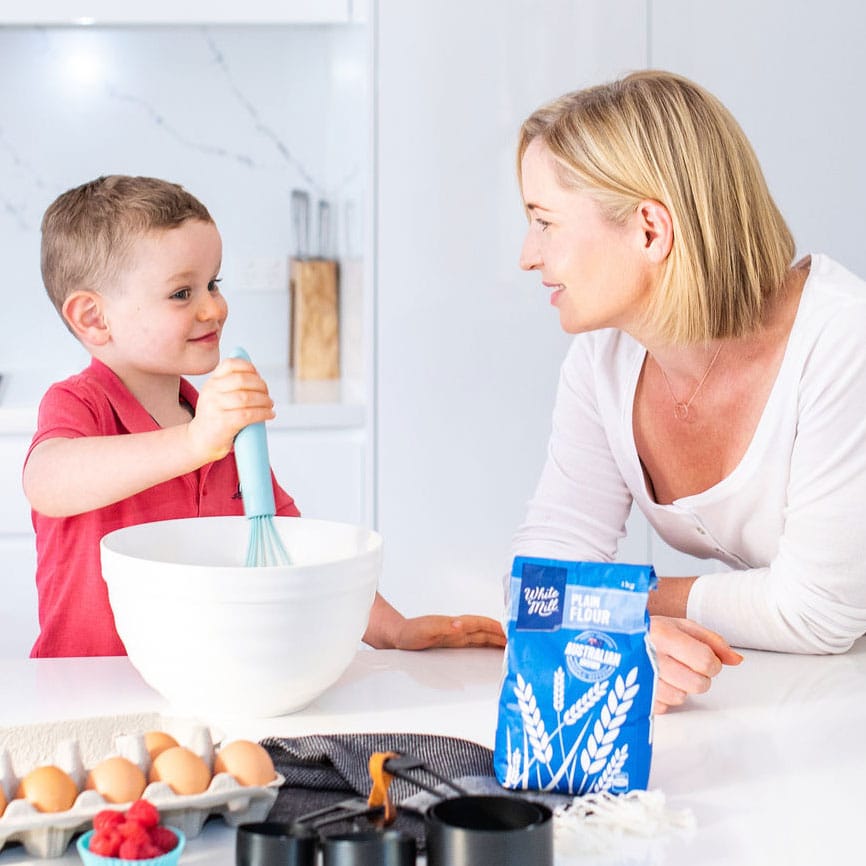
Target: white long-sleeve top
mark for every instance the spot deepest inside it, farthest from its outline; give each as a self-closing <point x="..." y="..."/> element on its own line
<point x="790" y="519"/>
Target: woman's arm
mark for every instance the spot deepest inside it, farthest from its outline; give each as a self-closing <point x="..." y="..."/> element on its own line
<point x="581" y="503"/>
<point x="672" y="596"/>
<point x="579" y="512"/>
<point x="811" y="596"/>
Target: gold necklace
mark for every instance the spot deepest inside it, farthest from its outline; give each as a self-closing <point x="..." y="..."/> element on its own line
<point x="681" y="407"/>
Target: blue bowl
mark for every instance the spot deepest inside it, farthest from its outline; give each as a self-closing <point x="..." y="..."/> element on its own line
<point x="91" y="859"/>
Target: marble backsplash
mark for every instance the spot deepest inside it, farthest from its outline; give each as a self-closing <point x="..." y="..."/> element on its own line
<point x="239" y="115"/>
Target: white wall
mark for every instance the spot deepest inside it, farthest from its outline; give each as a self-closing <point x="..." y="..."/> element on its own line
<point x="792" y="73"/>
<point x="468" y="349"/>
<point x="238" y="115"/>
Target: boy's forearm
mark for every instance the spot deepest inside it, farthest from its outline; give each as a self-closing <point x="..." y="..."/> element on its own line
<point x="384" y="622"/>
<point x="64" y="477"/>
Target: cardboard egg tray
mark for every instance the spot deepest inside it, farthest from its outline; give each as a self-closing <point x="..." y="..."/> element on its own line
<point x="75" y="746"/>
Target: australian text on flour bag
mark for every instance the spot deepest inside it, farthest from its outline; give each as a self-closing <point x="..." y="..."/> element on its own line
<point x="575" y="710"/>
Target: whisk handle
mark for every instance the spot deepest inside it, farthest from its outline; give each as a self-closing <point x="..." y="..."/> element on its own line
<point x="254" y="465"/>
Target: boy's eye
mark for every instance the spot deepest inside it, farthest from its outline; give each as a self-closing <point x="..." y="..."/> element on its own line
<point x="182" y="294"/>
<point x="213" y="285"/>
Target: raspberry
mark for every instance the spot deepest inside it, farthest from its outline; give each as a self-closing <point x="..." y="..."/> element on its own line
<point x="130" y="850"/>
<point x="133" y="831"/>
<point x="106" y="842"/>
<point x="150" y="850"/>
<point x="163" y="838"/>
<point x="144" y="812"/>
<point x="107" y="819"/>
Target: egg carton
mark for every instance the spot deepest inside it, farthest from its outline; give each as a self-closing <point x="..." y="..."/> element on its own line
<point x="75" y="745"/>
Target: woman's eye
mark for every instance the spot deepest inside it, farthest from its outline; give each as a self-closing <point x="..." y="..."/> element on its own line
<point x="213" y="285"/>
<point x="543" y="223"/>
<point x="182" y="294"/>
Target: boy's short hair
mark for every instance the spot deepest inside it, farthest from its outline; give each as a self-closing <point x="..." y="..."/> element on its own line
<point x="656" y="135"/>
<point x="88" y="231"/>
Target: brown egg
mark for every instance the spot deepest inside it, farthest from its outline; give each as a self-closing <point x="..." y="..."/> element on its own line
<point x="49" y="789"/>
<point x="158" y="741"/>
<point x="117" y="779"/>
<point x="2" y="801"/>
<point x="182" y="770"/>
<point x="248" y="762"/>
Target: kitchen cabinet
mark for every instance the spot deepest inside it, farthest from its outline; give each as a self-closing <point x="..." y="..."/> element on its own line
<point x="109" y="12"/>
<point x="322" y="467"/>
<point x="323" y="470"/>
<point x="18" y="620"/>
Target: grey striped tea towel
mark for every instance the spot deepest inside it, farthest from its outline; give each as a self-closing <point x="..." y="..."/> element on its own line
<point x="322" y="770"/>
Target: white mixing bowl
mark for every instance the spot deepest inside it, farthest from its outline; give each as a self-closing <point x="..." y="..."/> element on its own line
<point x="217" y="638"/>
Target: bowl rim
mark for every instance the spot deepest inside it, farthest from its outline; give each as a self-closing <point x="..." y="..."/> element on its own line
<point x="374" y="550"/>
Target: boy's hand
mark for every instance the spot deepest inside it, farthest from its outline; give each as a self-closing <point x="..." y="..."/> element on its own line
<point x="389" y="629"/>
<point x="428" y="632"/>
<point x="688" y="657"/>
<point x="233" y="397"/>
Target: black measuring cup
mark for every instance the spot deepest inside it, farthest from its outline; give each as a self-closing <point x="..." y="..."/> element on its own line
<point x="267" y="843"/>
<point x="482" y="830"/>
<point x="369" y="848"/>
<point x="479" y="830"/>
<point x="297" y="844"/>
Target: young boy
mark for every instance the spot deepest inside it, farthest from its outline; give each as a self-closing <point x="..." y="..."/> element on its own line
<point x="132" y="266"/>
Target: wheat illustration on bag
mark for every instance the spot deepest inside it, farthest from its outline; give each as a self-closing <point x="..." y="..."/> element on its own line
<point x="536" y="757"/>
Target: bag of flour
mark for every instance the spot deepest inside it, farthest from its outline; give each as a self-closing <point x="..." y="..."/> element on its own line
<point x="579" y="682"/>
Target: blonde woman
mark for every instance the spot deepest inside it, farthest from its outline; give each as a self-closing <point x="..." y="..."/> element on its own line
<point x="713" y="382"/>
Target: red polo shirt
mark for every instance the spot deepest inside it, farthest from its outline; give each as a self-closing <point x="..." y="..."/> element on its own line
<point x="74" y="615"/>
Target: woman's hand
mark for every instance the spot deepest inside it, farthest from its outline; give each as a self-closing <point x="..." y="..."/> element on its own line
<point x="688" y="657"/>
<point x="232" y="397"/>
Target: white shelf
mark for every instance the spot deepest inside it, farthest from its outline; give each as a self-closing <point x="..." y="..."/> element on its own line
<point x="336" y="404"/>
<point x="110" y="12"/>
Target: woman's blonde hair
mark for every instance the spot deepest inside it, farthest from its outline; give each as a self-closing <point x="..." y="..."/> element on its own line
<point x="88" y="232"/>
<point x="655" y="135"/>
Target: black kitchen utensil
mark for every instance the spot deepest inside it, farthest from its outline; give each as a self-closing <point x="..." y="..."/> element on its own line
<point x="271" y="844"/>
<point x="361" y="847"/>
<point x="470" y="830"/>
<point x="489" y="831"/>
<point x="370" y="848"/>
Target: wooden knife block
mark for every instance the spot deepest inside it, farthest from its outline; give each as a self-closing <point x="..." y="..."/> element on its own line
<point x="314" y="331"/>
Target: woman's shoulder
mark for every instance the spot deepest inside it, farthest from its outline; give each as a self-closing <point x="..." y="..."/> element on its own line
<point x="603" y="365"/>
<point x="608" y="353"/>
<point x="833" y="289"/>
<point x="831" y="318"/>
<point x="605" y="344"/>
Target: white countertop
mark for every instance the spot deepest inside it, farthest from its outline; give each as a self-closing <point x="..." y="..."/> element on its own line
<point x="299" y="404"/>
<point x="771" y="761"/>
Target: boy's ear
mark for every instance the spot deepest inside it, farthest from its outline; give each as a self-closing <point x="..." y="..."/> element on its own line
<point x="657" y="230"/>
<point x="83" y="312"/>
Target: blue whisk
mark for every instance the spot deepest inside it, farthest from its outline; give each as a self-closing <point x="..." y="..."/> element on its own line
<point x="265" y="546"/>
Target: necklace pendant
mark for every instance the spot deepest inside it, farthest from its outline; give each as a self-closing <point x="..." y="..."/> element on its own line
<point x="681" y="411"/>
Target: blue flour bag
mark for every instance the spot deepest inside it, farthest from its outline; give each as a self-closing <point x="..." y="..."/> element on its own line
<point x="575" y="709"/>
